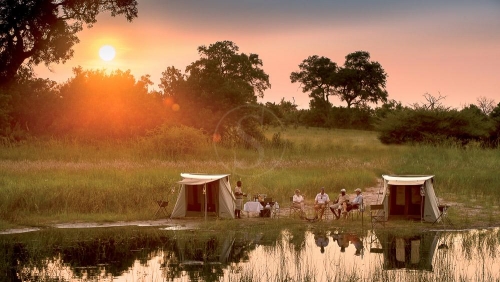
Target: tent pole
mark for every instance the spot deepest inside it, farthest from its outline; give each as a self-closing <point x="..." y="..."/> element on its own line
<point x="205" y="192"/>
<point x="422" y="194"/>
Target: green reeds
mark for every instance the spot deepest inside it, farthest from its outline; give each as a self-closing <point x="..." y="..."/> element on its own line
<point x="66" y="180"/>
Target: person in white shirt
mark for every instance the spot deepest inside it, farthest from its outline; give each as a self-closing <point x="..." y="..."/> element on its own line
<point x="298" y="201"/>
<point x="238" y="202"/>
<point x="340" y="206"/>
<point x="320" y="202"/>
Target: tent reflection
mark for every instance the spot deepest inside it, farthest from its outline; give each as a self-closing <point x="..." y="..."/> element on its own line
<point x="414" y="251"/>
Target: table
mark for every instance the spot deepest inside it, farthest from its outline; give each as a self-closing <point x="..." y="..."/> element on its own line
<point x="252" y="207"/>
<point x="256" y="207"/>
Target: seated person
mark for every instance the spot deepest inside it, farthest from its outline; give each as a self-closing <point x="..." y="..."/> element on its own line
<point x="340" y="205"/>
<point x="320" y="202"/>
<point x="298" y="201"/>
<point x="357" y="202"/>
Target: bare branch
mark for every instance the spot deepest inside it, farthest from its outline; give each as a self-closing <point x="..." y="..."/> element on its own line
<point x="485" y="105"/>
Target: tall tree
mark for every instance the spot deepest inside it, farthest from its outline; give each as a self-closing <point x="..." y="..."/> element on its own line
<point x="359" y="82"/>
<point x="317" y="76"/>
<point x="36" y="31"/>
<point x="220" y="82"/>
<point x="222" y="73"/>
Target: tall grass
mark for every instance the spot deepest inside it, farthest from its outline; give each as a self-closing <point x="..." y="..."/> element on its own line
<point x="54" y="180"/>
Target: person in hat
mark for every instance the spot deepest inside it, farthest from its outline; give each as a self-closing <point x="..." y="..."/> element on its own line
<point x="339" y="208"/>
<point x="298" y="201"/>
<point x="320" y="202"/>
<point x="357" y="202"/>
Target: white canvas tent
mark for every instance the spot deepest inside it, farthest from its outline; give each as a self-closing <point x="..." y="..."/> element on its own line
<point x="410" y="196"/>
<point x="202" y="195"/>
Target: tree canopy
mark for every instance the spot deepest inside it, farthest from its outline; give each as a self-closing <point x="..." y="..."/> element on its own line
<point x="316" y="76"/>
<point x="44" y="31"/>
<point x="95" y="104"/>
<point x="359" y="82"/>
<point x="220" y="82"/>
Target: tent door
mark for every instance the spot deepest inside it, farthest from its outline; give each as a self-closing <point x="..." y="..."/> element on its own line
<point x="194" y="198"/>
<point x="405" y="200"/>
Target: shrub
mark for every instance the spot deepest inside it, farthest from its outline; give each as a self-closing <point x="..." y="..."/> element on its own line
<point x="433" y="126"/>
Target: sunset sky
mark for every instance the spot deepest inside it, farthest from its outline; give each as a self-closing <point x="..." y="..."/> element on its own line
<point x="447" y="48"/>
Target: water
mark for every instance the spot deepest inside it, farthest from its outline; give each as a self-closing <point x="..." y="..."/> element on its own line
<point x="148" y="254"/>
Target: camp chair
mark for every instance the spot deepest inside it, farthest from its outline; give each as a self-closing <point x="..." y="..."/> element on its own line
<point x="359" y="210"/>
<point x="162" y="208"/>
<point x="443" y="215"/>
<point x="275" y="210"/>
<point x="293" y="209"/>
<point x="268" y="208"/>
<point x="162" y="204"/>
<point x="377" y="215"/>
<point x="327" y="212"/>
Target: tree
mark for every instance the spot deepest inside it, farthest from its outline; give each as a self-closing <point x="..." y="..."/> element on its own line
<point x="486" y="105"/>
<point x="36" y="31"/>
<point x="432" y="103"/>
<point x="35" y="102"/>
<point x="222" y="73"/>
<point x="100" y="105"/>
<point x="361" y="81"/>
<point x="317" y="76"/>
<point x="220" y="82"/>
<point x="358" y="82"/>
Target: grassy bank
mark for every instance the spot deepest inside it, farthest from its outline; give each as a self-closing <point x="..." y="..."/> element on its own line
<point x="62" y="181"/>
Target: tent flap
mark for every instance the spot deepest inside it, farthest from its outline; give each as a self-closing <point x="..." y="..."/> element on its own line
<point x="412" y="182"/>
<point x="190" y="181"/>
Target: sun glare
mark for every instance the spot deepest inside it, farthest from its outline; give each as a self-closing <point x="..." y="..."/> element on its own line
<point x="107" y="52"/>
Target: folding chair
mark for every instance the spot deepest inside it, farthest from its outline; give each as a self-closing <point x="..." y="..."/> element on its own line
<point x="268" y="209"/>
<point x="162" y="208"/>
<point x="443" y="216"/>
<point x="162" y="205"/>
<point x="377" y="215"/>
<point x="358" y="211"/>
<point x="275" y="210"/>
<point x="327" y="212"/>
<point x="293" y="209"/>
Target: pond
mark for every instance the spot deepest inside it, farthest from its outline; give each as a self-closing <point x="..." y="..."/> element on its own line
<point x="313" y="254"/>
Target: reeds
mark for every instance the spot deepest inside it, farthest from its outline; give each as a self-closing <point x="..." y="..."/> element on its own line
<point x="54" y="180"/>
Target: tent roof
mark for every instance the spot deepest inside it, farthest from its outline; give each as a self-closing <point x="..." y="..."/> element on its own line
<point x="199" y="179"/>
<point x="405" y="179"/>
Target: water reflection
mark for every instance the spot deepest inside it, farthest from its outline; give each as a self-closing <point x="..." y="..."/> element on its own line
<point x="321" y="240"/>
<point x="277" y="255"/>
<point x="413" y="251"/>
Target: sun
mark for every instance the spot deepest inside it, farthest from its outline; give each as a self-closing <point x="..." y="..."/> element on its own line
<point x="107" y="53"/>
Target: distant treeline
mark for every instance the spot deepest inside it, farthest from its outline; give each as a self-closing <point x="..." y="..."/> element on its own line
<point x="215" y="99"/>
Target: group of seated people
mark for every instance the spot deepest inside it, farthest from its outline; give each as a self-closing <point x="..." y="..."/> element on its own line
<point x="340" y="207"/>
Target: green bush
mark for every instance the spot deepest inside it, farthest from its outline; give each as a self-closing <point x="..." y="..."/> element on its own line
<point x="436" y="126"/>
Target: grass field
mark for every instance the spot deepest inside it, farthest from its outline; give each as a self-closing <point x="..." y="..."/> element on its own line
<point x="43" y="182"/>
